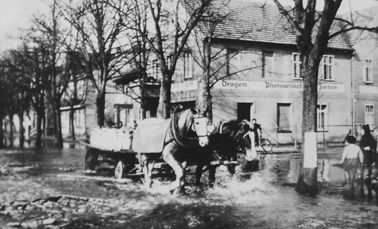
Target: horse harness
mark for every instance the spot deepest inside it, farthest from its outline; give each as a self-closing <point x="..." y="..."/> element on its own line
<point x="237" y="146"/>
<point x="175" y="133"/>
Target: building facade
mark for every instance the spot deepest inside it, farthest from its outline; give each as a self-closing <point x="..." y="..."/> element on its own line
<point x="259" y="76"/>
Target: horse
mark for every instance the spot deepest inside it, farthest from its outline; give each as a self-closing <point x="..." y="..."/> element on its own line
<point x="227" y="139"/>
<point x="169" y="139"/>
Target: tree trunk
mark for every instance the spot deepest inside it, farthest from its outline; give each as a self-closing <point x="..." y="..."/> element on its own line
<point x="38" y="140"/>
<point x="55" y="120"/>
<point x="204" y="97"/>
<point x="204" y="101"/>
<point x="307" y="181"/>
<point x="165" y="97"/>
<point x="11" y="139"/>
<point x="72" y="124"/>
<point x="1" y="130"/>
<point x="100" y="106"/>
<point x="59" y="136"/>
<point x="21" y="131"/>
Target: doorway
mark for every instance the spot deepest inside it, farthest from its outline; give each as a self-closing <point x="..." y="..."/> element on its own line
<point x="245" y="111"/>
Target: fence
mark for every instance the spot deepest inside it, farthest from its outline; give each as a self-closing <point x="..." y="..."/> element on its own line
<point x="329" y="135"/>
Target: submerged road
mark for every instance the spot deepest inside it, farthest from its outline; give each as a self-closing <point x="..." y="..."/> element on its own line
<point x="50" y="189"/>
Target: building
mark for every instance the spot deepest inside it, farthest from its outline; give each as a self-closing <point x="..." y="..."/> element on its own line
<point x="260" y="77"/>
<point x="364" y="70"/>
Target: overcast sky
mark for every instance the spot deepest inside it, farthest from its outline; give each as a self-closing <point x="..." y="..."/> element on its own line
<point x="15" y="14"/>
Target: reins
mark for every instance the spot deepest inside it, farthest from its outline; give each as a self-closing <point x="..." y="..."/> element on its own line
<point x="176" y="133"/>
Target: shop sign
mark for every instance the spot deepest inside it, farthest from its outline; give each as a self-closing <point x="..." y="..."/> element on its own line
<point x="265" y="85"/>
<point x="368" y="89"/>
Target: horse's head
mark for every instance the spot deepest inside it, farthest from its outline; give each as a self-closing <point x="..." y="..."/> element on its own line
<point x="239" y="136"/>
<point x="199" y="126"/>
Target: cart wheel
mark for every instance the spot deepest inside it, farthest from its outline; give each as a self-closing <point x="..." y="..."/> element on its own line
<point x="91" y="159"/>
<point x="119" y="170"/>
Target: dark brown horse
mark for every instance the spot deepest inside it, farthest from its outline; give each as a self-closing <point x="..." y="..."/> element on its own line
<point x="170" y="140"/>
<point x="227" y="139"/>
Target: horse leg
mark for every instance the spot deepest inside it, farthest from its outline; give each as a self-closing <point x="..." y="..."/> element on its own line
<point x="175" y="165"/>
<point x="231" y="169"/>
<point x="199" y="168"/>
<point x="184" y="182"/>
<point x="212" y="169"/>
<point x="147" y="172"/>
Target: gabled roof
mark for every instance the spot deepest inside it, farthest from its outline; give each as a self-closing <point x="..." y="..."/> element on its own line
<point x="366" y="17"/>
<point x="260" y="22"/>
<point x="128" y="77"/>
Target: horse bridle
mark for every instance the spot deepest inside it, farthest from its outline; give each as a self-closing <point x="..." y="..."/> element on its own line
<point x="237" y="146"/>
<point x="175" y="133"/>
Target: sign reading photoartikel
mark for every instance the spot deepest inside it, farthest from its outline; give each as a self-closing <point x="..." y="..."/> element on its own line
<point x="265" y="85"/>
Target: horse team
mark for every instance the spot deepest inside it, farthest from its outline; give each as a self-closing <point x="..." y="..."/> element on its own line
<point x="187" y="139"/>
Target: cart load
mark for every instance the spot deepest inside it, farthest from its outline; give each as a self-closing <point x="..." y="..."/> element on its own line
<point x="111" y="139"/>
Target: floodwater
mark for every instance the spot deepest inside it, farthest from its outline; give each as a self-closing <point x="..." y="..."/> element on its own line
<point x="250" y="199"/>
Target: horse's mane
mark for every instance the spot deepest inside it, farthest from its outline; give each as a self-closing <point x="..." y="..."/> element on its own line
<point x="175" y="127"/>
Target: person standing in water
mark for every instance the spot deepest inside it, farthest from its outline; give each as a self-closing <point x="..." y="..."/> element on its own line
<point x="351" y="160"/>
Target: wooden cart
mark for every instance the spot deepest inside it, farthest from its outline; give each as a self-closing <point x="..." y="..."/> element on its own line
<point x="112" y="146"/>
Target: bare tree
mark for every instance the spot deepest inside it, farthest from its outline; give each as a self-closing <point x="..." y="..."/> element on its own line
<point x="3" y="101"/>
<point x="100" y="55"/>
<point x="49" y="29"/>
<point x="313" y="35"/>
<point x="172" y="26"/>
<point x="76" y="92"/>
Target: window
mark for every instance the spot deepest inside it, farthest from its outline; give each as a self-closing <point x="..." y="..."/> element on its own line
<point x="187" y="68"/>
<point x="326" y="68"/>
<point x="369" y="115"/>
<point x="129" y="116"/>
<point x="283" y="117"/>
<point x="297" y="66"/>
<point x="155" y="69"/>
<point x="321" y="117"/>
<point x="368" y="71"/>
<point x="267" y="64"/>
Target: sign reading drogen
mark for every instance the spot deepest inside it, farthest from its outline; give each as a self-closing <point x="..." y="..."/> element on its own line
<point x="264" y="85"/>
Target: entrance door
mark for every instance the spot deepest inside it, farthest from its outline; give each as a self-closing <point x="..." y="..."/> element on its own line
<point x="244" y="111"/>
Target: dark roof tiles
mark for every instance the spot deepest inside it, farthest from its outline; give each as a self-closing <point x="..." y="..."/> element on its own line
<point x="259" y="22"/>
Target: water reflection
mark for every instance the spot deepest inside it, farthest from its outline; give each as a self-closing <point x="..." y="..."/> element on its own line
<point x="285" y="168"/>
<point x="47" y="143"/>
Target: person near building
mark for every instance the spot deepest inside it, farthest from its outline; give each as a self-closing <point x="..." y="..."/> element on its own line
<point x="351" y="160"/>
<point x="256" y="128"/>
<point x="368" y="145"/>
